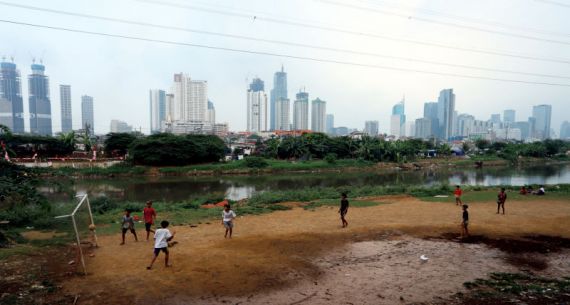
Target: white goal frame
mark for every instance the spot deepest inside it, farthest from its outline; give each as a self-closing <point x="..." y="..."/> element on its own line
<point x="84" y="199"/>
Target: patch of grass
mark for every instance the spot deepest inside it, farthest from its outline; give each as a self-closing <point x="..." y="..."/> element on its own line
<point x="486" y="194"/>
<point x="19" y="249"/>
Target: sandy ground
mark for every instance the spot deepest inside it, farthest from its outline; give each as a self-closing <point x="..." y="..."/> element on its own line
<point x="305" y="257"/>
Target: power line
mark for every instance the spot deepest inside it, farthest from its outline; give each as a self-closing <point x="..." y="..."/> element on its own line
<point x="554" y="3"/>
<point x="347" y="63"/>
<point x="445" y="23"/>
<point x="275" y="41"/>
<point x="354" y="33"/>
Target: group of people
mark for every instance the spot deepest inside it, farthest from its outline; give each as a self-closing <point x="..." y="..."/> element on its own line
<point x="530" y="191"/>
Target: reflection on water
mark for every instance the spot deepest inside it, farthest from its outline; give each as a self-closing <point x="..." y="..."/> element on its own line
<point x="238" y="187"/>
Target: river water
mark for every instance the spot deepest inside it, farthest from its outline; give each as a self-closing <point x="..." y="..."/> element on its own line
<point x="238" y="187"/>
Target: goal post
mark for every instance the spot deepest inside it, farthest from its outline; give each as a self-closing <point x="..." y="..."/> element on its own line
<point x="83" y="227"/>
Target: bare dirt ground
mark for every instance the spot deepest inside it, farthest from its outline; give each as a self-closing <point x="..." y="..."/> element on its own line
<point x="300" y="256"/>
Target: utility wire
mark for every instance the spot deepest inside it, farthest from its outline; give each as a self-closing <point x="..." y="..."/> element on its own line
<point x="354" y="33"/>
<point x="555" y="3"/>
<point x="313" y="59"/>
<point x="445" y="23"/>
<point x="276" y="41"/>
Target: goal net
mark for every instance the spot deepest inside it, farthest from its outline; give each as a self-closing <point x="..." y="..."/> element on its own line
<point x="80" y="222"/>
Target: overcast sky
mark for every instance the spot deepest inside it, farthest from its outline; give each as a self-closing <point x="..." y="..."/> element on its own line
<point x="119" y="72"/>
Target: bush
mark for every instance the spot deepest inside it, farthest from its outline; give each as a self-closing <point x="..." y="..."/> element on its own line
<point x="102" y="204"/>
<point x="330" y="158"/>
<point x="255" y="162"/>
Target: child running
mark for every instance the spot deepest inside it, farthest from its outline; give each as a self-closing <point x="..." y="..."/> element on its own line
<point x="128" y="224"/>
<point x="458" y="192"/>
<point x="149" y="215"/>
<point x="501" y="198"/>
<point x="228" y="217"/>
<point x="161" y="238"/>
<point x="343" y="209"/>
<point x="465" y="222"/>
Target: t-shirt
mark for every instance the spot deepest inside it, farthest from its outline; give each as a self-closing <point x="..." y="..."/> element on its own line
<point x="148" y="213"/>
<point x="128" y="222"/>
<point x="502" y="197"/>
<point x="465" y="216"/>
<point x="161" y="237"/>
<point x="343" y="205"/>
<point x="458" y="192"/>
<point x="228" y="216"/>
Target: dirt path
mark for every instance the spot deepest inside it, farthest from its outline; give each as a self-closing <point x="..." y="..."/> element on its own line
<point x="300" y="256"/>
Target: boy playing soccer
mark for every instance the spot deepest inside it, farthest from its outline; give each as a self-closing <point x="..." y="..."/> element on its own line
<point x="228" y="220"/>
<point x="128" y="224"/>
<point x="501" y="198"/>
<point x="343" y="209"/>
<point x="161" y="238"/>
<point x="149" y="217"/>
<point x="465" y="222"/>
<point x="458" y="192"/>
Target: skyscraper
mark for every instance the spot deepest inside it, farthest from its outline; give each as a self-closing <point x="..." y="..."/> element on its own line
<point x="11" y="102"/>
<point x="565" y="130"/>
<point x="256" y="106"/>
<point x="40" y="105"/>
<point x="371" y="128"/>
<point x="87" y="114"/>
<point x="190" y="99"/>
<point x="430" y="112"/>
<point x="301" y="111"/>
<point x="423" y="128"/>
<point x="157" y="99"/>
<point x="120" y="126"/>
<point x="495" y="118"/>
<point x="282" y="114"/>
<point x="211" y="114"/>
<point x="541" y="115"/>
<point x="279" y="91"/>
<point x="318" y="115"/>
<point x="509" y="116"/>
<point x="66" y="115"/>
<point x="330" y="123"/>
<point x="397" y="125"/>
<point x="445" y="109"/>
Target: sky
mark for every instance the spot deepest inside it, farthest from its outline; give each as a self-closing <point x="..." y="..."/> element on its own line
<point x="119" y="72"/>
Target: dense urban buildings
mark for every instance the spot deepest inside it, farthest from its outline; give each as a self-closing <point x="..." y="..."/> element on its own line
<point x="318" y="115"/>
<point x="39" y="102"/>
<point x="11" y="102"/>
<point x="65" y="105"/>
<point x="301" y="111"/>
<point x="257" y="107"/>
<point x="495" y="118"/>
<point x="87" y="114"/>
<point x="541" y="115"/>
<point x="279" y="92"/>
<point x="371" y="128"/>
<point x="120" y="126"/>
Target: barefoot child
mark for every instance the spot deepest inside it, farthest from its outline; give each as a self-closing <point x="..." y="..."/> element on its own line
<point x="458" y="192"/>
<point x="343" y="209"/>
<point x="465" y="222"/>
<point x="228" y="220"/>
<point x="128" y="224"/>
<point x="161" y="238"/>
<point x="149" y="217"/>
<point x="501" y="198"/>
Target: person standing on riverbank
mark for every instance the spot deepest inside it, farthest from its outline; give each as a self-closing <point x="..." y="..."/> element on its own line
<point x="457" y="193"/>
<point x="128" y="224"/>
<point x="501" y="198"/>
<point x="343" y="210"/>
<point x="228" y="217"/>
<point x="465" y="222"/>
<point x="149" y="215"/>
<point x="161" y="238"/>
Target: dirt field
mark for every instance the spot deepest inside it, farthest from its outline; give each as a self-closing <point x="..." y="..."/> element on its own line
<point x="305" y="257"/>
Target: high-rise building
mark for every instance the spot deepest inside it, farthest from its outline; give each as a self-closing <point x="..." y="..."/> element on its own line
<point x="169" y="108"/>
<point x="445" y="109"/>
<point x="330" y="123"/>
<point x="465" y="125"/>
<point x="509" y="116"/>
<point x="282" y="114"/>
<point x="211" y="117"/>
<point x="120" y="126"/>
<point x="397" y="126"/>
<point x="190" y="99"/>
<point x="430" y="112"/>
<point x="565" y="130"/>
<point x="257" y="107"/>
<point x="495" y="118"/>
<point x="524" y="127"/>
<point x="541" y="115"/>
<point x="40" y="105"/>
<point x="66" y="114"/>
<point x="279" y="91"/>
<point x="87" y="114"/>
<point x="157" y="99"/>
<point x="301" y="111"/>
<point x="318" y="115"/>
<point x="371" y="128"/>
<point x="423" y="128"/>
<point x="11" y="102"/>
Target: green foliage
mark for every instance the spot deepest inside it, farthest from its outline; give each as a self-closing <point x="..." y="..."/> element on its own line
<point x="45" y="146"/>
<point x="255" y="162"/>
<point x="102" y="205"/>
<point x="118" y="143"/>
<point x="330" y="158"/>
<point x="482" y="144"/>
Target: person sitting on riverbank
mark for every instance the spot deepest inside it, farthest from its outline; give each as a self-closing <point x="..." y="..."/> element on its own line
<point x="501" y="198"/>
<point x="457" y="193"/>
<point x="540" y="191"/>
<point x="465" y="222"/>
<point x="228" y="217"/>
<point x="128" y="224"/>
<point x="343" y="210"/>
<point x="149" y="215"/>
<point x="523" y="190"/>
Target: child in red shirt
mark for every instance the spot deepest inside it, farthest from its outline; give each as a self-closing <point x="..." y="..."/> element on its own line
<point x="458" y="192"/>
<point x="149" y="215"/>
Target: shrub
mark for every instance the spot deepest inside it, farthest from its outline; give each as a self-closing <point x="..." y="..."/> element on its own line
<point x="255" y="162"/>
<point x="102" y="204"/>
<point x="330" y="158"/>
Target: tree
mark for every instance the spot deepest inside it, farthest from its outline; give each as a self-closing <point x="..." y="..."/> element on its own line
<point x="68" y="139"/>
<point x="482" y="144"/>
<point x="118" y="143"/>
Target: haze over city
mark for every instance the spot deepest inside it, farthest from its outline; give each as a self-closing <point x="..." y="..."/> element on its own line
<point x="118" y="73"/>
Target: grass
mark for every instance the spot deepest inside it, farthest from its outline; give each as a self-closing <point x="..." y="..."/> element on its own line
<point x="486" y="194"/>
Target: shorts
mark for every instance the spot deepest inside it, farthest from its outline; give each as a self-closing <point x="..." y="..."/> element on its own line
<point x="147" y="226"/>
<point x="157" y="250"/>
<point x="465" y="223"/>
<point x="343" y="213"/>
<point x="228" y="224"/>
<point x="127" y="229"/>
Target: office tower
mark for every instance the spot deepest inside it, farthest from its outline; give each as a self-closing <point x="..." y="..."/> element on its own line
<point x="465" y="124"/>
<point x="65" y="101"/>
<point x="541" y="115"/>
<point x="318" y="115"/>
<point x="423" y="128"/>
<point x="409" y="129"/>
<point x="157" y="100"/>
<point x="256" y="107"/>
<point x="509" y="116"/>
<point x="397" y="125"/>
<point x="495" y="118"/>
<point x="301" y="111"/>
<point x="565" y="130"/>
<point x="524" y="127"/>
<point x="445" y="109"/>
<point x="11" y="102"/>
<point x="371" y="128"/>
<point x="190" y="99"/>
<point x="120" y="126"/>
<point x="430" y="112"/>
<point x="282" y="110"/>
<point x="87" y="114"/>
<point x="279" y="91"/>
<point x="211" y="114"/>
<point x="330" y="123"/>
<point x="169" y="108"/>
<point x="40" y="105"/>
